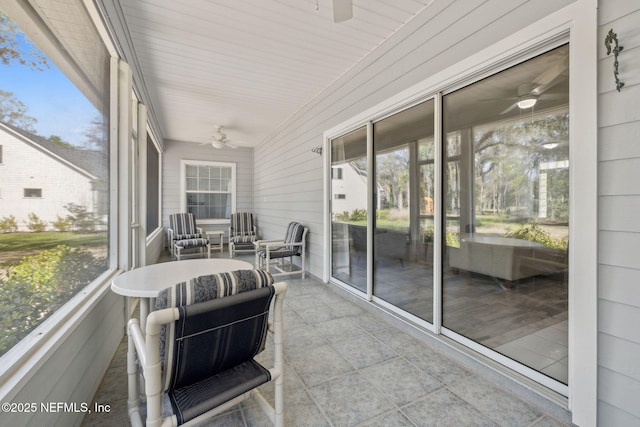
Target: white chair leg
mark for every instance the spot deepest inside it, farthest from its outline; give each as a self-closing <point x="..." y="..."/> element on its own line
<point x="302" y="265"/>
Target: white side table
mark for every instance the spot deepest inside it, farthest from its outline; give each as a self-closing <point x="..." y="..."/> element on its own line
<point x="220" y="239"/>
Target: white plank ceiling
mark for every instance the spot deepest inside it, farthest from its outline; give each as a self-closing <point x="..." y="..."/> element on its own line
<point x="248" y="65"/>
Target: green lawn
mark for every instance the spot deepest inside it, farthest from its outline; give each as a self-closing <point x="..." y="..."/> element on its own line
<point x="19" y="242"/>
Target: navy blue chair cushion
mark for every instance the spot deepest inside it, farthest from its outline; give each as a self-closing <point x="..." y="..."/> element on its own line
<point x="215" y="343"/>
<point x="197" y="290"/>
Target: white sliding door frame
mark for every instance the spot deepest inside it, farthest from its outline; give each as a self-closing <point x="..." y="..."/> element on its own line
<point x="576" y="24"/>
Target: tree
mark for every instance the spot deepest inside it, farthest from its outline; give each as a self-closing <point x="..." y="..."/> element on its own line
<point x="16" y="47"/>
<point x="96" y="135"/>
<point x="58" y="140"/>
<point x="14" y="112"/>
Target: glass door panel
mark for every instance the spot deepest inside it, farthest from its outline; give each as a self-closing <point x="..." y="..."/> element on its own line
<point x="506" y="212"/>
<point x="404" y="183"/>
<point x="349" y="189"/>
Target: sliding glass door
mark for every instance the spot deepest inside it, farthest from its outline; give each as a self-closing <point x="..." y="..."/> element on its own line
<point x="506" y="194"/>
<point x="349" y="201"/>
<point x="404" y="192"/>
<point x="493" y="158"/>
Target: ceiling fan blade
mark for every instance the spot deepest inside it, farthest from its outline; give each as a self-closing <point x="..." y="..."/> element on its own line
<point x="342" y="10"/>
<point x="550" y="77"/>
<point x="510" y="108"/>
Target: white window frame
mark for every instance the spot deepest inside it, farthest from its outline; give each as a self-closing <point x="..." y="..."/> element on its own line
<point x="183" y="187"/>
<point x="154" y="141"/>
<point x="577" y="24"/>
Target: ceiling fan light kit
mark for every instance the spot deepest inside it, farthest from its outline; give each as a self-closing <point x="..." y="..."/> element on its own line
<point x="219" y="139"/>
<point x="527" y="102"/>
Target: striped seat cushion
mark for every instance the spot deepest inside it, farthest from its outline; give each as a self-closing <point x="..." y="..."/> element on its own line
<point x="187" y="236"/>
<point x="191" y="243"/>
<point x="244" y="239"/>
<point x="280" y="252"/>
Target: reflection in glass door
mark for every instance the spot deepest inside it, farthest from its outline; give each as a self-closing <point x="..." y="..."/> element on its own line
<point x="506" y="219"/>
<point x="404" y="183"/>
<point x="349" y="189"/>
<point x="501" y="284"/>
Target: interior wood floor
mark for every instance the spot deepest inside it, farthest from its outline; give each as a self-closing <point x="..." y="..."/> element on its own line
<point x="526" y="322"/>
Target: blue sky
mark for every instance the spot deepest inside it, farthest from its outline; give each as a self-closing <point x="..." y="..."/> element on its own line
<point x="60" y="108"/>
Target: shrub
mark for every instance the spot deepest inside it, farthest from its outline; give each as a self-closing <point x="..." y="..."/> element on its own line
<point x="344" y="216"/>
<point x="358" y="215"/>
<point x="452" y="239"/>
<point x="535" y="233"/>
<point x="427" y="234"/>
<point x="8" y="224"/>
<point x="81" y="219"/>
<point x="39" y="285"/>
<point x="35" y="224"/>
<point x="62" y="224"/>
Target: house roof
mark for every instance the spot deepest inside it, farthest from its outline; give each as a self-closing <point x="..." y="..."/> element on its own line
<point x="87" y="162"/>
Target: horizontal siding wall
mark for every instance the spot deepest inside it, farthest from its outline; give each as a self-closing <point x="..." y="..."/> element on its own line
<point x="288" y="177"/>
<point x="619" y="214"/>
<point x="177" y="151"/>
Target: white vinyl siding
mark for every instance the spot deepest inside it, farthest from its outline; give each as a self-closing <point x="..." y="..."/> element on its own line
<point x="619" y="228"/>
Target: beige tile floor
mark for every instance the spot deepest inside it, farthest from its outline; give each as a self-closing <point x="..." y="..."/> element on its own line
<point x="349" y="366"/>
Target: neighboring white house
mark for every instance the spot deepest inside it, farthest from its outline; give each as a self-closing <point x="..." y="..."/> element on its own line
<point x="41" y="177"/>
<point x="349" y="188"/>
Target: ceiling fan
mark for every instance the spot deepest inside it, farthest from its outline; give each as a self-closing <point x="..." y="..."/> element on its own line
<point x="219" y="140"/>
<point x="528" y="94"/>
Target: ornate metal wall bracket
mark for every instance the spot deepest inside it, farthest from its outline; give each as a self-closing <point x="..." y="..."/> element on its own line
<point x="613" y="38"/>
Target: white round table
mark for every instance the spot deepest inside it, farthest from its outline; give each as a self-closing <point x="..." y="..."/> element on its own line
<point x="146" y="282"/>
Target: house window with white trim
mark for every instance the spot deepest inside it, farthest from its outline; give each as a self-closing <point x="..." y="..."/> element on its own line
<point x="209" y="190"/>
